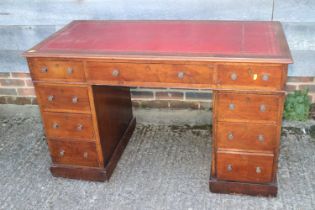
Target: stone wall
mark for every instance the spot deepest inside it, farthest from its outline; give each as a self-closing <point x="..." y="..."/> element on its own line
<point x="25" y="23"/>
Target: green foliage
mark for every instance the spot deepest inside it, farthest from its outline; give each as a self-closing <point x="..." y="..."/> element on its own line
<point x="297" y="105"/>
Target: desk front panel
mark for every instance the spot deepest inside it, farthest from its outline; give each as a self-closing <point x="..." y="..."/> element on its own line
<point x="85" y="97"/>
<point x="146" y="73"/>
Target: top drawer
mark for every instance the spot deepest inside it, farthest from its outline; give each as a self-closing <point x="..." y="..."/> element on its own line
<point x="253" y="76"/>
<point x="148" y="74"/>
<point x="59" y="70"/>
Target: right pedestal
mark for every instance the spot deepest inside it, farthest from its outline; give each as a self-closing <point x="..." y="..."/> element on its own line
<point x="246" y="137"/>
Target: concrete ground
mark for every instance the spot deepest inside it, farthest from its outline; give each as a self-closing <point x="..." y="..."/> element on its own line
<point x="165" y="166"/>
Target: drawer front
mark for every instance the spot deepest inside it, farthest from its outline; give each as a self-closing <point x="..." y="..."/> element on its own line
<point x="240" y="107"/>
<point x="64" y="125"/>
<point x="59" y="70"/>
<point x="250" y="76"/>
<point x="149" y="73"/>
<point x="245" y="167"/>
<point x="73" y="153"/>
<point x="63" y="98"/>
<point x="246" y="136"/>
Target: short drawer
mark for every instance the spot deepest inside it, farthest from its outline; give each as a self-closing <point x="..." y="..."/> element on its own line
<point x="66" y="125"/>
<point x="73" y="153"/>
<point x="63" y="98"/>
<point x="131" y="73"/>
<point x="59" y="70"/>
<point x="248" y="107"/>
<point x="245" y="167"/>
<point x="250" y="76"/>
<point x="246" y="136"/>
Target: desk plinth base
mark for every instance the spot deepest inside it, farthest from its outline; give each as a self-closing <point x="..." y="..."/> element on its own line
<point x="93" y="173"/>
<point x="229" y="187"/>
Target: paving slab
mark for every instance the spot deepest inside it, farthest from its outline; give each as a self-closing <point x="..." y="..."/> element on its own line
<point x="165" y="166"/>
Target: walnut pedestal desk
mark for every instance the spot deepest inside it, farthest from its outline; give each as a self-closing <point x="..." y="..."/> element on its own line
<point x="83" y="73"/>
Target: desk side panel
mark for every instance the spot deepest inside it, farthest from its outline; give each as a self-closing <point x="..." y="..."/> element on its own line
<point x="114" y="112"/>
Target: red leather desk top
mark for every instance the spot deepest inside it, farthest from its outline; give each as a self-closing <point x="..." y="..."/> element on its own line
<point x="204" y="40"/>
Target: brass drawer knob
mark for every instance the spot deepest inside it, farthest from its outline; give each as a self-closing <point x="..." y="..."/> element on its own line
<point x="231" y="106"/>
<point x="230" y="136"/>
<point x="80" y="127"/>
<point x="61" y="153"/>
<point x="85" y="155"/>
<point x="44" y="69"/>
<point x="265" y="77"/>
<point x="50" y="98"/>
<point x="180" y="75"/>
<point x="115" y="73"/>
<point x="229" y="167"/>
<point x="233" y="76"/>
<point x="69" y="70"/>
<point x="262" y="108"/>
<point x="261" y="138"/>
<point x="258" y="170"/>
<point x="55" y="125"/>
<point x="75" y="99"/>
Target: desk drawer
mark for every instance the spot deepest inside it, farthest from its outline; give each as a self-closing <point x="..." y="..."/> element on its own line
<point x="66" y="125"/>
<point x="59" y="70"/>
<point x="63" y="98"/>
<point x="246" y="136"/>
<point x="248" y="107"/>
<point x="131" y="73"/>
<point x="245" y="167"/>
<point x="73" y="153"/>
<point x="251" y="76"/>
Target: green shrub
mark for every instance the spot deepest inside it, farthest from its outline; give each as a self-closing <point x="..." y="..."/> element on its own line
<point x="297" y="106"/>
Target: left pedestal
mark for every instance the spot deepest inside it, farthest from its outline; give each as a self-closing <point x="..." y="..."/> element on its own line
<point x="87" y="127"/>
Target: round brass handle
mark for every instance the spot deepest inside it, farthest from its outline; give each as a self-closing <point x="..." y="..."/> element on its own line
<point x="234" y="76"/>
<point x="61" y="153"/>
<point x="229" y="167"/>
<point x="265" y="77"/>
<point x="50" y="98"/>
<point x="55" y="125"/>
<point x="262" y="108"/>
<point x="230" y="136"/>
<point x="85" y="155"/>
<point x="80" y="127"/>
<point x="75" y="99"/>
<point x="258" y="170"/>
<point x="261" y="138"/>
<point x="115" y="73"/>
<point x="180" y="75"/>
<point x="69" y="70"/>
<point x="44" y="69"/>
<point x="231" y="106"/>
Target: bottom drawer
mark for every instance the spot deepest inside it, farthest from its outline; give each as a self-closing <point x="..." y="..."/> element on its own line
<point x="73" y="153"/>
<point x="245" y="167"/>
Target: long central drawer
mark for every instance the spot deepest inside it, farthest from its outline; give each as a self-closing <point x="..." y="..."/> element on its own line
<point x="129" y="73"/>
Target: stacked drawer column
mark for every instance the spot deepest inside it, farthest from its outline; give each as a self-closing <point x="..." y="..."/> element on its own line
<point x="67" y="113"/>
<point x="247" y="127"/>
